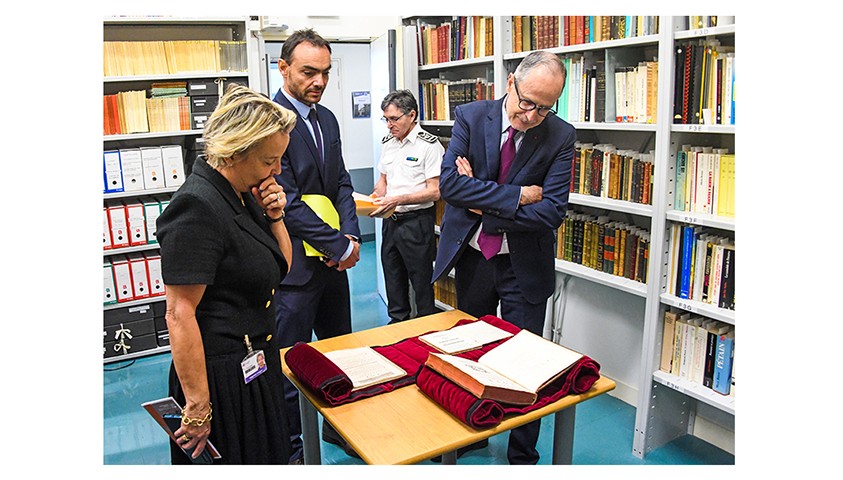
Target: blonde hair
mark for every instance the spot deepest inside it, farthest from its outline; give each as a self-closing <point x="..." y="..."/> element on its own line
<point x="242" y="119"/>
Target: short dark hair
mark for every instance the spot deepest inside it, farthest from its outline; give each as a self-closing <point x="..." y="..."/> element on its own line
<point x="308" y="35"/>
<point x="402" y="99"/>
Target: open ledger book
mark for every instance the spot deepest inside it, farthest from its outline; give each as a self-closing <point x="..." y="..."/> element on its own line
<point x="365" y="367"/>
<point x="464" y="337"/>
<point x="512" y="372"/>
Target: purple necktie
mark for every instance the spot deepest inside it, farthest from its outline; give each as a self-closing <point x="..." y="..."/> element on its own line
<point x="490" y="244"/>
<point x="313" y="123"/>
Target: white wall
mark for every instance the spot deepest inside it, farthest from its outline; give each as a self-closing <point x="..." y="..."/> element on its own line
<point x="350" y="72"/>
<point x="333" y="28"/>
<point x="608" y="325"/>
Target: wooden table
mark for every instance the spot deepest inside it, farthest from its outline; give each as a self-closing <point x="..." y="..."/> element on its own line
<point x="405" y="426"/>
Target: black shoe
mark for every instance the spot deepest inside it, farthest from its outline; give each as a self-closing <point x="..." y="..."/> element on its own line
<point x="463" y="450"/>
<point x="331" y="436"/>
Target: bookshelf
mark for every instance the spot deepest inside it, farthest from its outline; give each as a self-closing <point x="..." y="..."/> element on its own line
<point x="667" y="407"/>
<point x="134" y="323"/>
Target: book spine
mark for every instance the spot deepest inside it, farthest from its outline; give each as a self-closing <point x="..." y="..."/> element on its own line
<point x="686" y="352"/>
<point x="723" y="365"/>
<point x="710" y="359"/>
<point x="727" y="282"/>
<point x="678" y="335"/>
<point x="687" y="258"/>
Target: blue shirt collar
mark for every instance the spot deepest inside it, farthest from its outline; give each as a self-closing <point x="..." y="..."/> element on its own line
<point x="302" y="108"/>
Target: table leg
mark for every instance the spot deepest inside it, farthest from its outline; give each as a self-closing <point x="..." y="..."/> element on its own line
<point x="310" y="432"/>
<point x="563" y="436"/>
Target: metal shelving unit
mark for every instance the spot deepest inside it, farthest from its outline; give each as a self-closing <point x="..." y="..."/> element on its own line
<point x="162" y="28"/>
<point x="666" y="405"/>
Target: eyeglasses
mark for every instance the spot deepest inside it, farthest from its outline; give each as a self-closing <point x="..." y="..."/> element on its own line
<point x="527" y="105"/>
<point x="392" y="119"/>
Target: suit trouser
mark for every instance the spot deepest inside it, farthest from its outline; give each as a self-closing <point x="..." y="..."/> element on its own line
<point x="322" y="307"/>
<point x="407" y="254"/>
<point x="481" y="284"/>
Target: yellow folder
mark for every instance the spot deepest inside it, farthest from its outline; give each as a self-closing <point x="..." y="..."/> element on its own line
<point x="324" y="209"/>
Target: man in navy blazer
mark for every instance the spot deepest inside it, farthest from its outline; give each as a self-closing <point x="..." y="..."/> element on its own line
<point x="314" y="297"/>
<point x="516" y="214"/>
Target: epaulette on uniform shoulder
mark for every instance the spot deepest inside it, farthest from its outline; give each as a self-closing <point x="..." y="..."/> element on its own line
<point x="428" y="137"/>
<point x="386" y="138"/>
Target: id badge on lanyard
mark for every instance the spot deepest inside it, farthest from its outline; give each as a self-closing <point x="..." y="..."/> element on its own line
<point x="254" y="364"/>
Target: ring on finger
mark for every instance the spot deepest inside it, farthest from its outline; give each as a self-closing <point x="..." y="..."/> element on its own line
<point x="186" y="437"/>
<point x="278" y="197"/>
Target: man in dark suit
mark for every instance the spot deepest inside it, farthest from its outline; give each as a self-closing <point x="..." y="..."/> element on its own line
<point x="314" y="297"/>
<point x="506" y="191"/>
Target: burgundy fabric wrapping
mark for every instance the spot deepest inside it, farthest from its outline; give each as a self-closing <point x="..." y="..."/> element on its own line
<point x="478" y="413"/>
<point x="473" y="411"/>
<point x="321" y="376"/>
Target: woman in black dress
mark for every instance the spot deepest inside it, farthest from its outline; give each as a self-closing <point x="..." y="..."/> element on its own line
<point x="224" y="250"/>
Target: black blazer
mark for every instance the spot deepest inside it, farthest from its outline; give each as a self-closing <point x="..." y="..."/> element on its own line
<point x="544" y="158"/>
<point x="208" y="237"/>
<point x="302" y="173"/>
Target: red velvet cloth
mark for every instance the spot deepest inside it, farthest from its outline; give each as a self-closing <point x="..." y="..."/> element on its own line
<point x="323" y="377"/>
<point x="483" y="413"/>
<point x="330" y="384"/>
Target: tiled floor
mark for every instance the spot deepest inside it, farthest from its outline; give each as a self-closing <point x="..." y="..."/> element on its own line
<point x="603" y="433"/>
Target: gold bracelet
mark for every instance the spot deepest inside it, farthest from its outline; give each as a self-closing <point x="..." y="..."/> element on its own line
<point x="197" y="422"/>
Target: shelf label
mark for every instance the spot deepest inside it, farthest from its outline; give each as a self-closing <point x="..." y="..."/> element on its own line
<point x="686" y="306"/>
<point x="690" y="219"/>
<point x="672" y="385"/>
<point x="699" y="32"/>
<point x="695" y="128"/>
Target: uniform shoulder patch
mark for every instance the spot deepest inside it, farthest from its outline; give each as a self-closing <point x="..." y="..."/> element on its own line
<point x="427" y="137"/>
<point x="386" y="138"/>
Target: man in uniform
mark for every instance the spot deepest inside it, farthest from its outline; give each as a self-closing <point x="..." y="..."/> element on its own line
<point x="410" y="164"/>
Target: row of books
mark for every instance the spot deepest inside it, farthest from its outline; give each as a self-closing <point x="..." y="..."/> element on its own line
<point x="605" y="171"/>
<point x="701" y="265"/>
<point x="705" y="181"/>
<point x="692" y="22"/>
<point x="460" y="38"/>
<point x="144" y="168"/>
<point x="439" y="98"/>
<point x="131" y="223"/>
<point x="699" y="349"/>
<point x="132" y="277"/>
<point x="538" y="32"/>
<point x="131" y="112"/>
<point x="445" y="290"/>
<point x="440" y="211"/>
<point x="636" y="93"/>
<point x="704" y="83"/>
<point x="612" y="247"/>
<point x="625" y="94"/>
<point x="584" y="97"/>
<point x="131" y="58"/>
